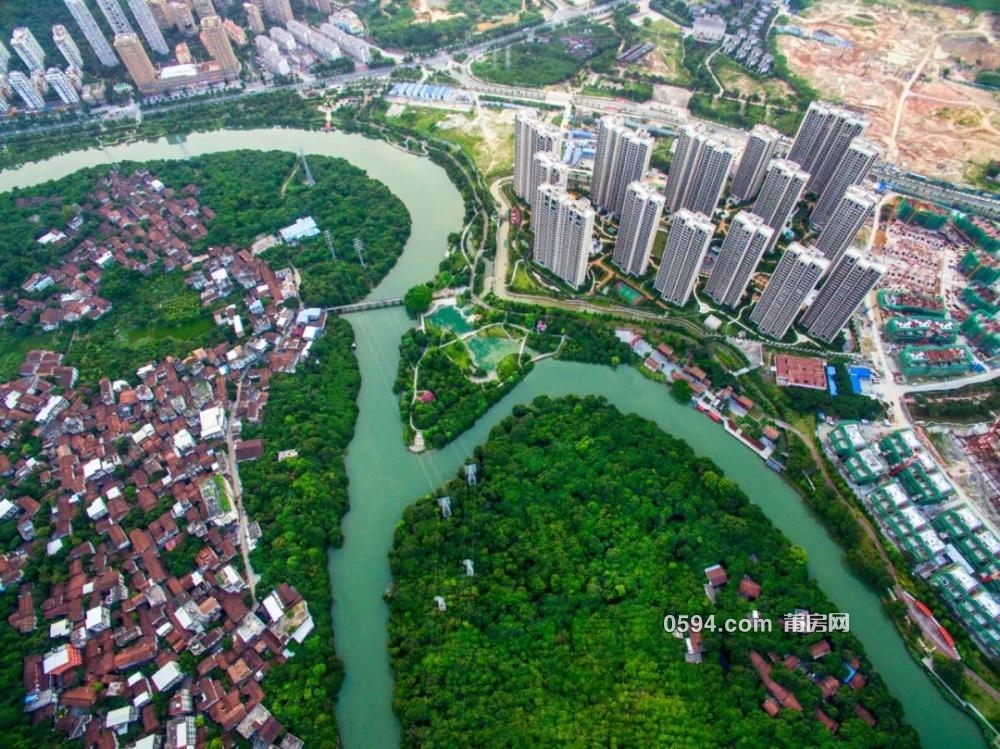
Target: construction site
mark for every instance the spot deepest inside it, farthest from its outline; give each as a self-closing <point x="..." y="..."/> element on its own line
<point x="910" y="67"/>
<point x="983" y="451"/>
<point x="972" y="455"/>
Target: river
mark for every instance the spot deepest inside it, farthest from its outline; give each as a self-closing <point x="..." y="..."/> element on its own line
<point x="385" y="477"/>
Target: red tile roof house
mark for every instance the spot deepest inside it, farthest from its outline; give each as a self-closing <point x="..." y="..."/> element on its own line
<point x="826" y="720"/>
<point x="716" y="575"/>
<point x="749" y="589"/>
<point x="819" y="649"/>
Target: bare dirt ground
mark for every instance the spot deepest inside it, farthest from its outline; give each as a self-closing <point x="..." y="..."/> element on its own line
<point x="909" y="70"/>
<point x="494" y="131"/>
<point x="429" y="11"/>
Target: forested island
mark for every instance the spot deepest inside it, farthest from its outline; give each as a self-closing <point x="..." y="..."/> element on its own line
<point x="585" y="527"/>
<point x="154" y="314"/>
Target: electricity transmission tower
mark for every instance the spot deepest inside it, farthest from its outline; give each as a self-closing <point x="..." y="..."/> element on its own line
<point x="305" y="165"/>
<point x="329" y="243"/>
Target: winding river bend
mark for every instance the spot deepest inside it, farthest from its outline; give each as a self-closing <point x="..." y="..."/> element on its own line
<point x="385" y="477"/>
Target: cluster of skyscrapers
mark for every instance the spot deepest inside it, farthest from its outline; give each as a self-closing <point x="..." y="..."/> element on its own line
<point x="828" y="159"/>
<point x="150" y="16"/>
<point x="31" y="86"/>
<point x="563" y="225"/>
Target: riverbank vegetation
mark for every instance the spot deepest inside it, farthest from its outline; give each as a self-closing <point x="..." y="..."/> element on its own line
<point x="585" y="528"/>
<point x="299" y="503"/>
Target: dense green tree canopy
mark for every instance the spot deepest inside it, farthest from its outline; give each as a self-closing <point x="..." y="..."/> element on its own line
<point x="418" y="299"/>
<point x="681" y="390"/>
<point x="585" y="528"/>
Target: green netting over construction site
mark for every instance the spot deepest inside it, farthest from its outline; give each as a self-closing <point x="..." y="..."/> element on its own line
<point x="897" y="300"/>
<point x="979" y="298"/>
<point x="903" y="329"/>
<point x="920" y="216"/>
<point x="935" y="361"/>
<point x="978" y="235"/>
<point x="983" y="333"/>
<point x="980" y="266"/>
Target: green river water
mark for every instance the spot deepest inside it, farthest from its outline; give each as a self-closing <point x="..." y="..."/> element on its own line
<point x="385" y="477"/>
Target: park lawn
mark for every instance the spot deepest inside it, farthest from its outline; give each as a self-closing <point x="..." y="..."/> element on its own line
<point x="659" y="243"/>
<point x="459" y="354"/>
<point x="494" y="331"/>
<point x="728" y="359"/>
<point x="220" y="485"/>
<point x="185" y="331"/>
<point x="422" y="119"/>
<point x="523" y="283"/>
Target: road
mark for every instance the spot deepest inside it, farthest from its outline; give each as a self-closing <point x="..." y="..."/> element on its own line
<point x="893" y="150"/>
<point x="881" y="359"/>
<point x="933" y="387"/>
<point x="671" y="116"/>
<point x="237" y="486"/>
<point x="964" y="198"/>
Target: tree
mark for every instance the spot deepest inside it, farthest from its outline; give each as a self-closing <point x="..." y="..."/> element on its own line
<point x="418" y="300"/>
<point x="951" y="672"/>
<point x="681" y="390"/>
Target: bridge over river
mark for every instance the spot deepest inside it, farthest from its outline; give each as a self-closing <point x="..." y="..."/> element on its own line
<point x="345" y="309"/>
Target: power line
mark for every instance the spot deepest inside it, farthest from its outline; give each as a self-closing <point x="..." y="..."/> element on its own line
<point x="329" y="243"/>
<point x="305" y="165"/>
